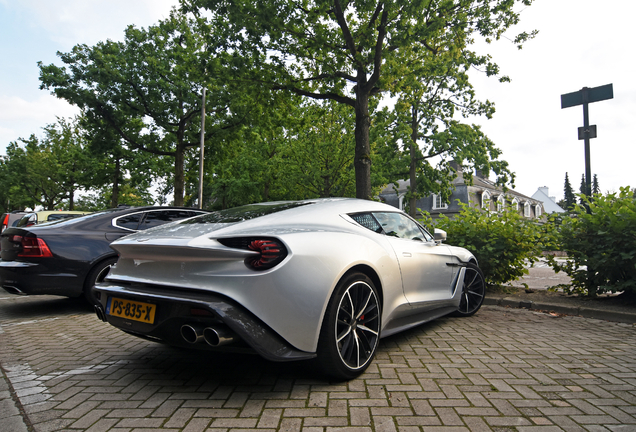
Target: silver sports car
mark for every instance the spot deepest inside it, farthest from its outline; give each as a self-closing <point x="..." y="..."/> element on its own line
<point x="323" y="279"/>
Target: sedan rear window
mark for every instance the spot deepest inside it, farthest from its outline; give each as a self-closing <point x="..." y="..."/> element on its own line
<point x="160" y="217"/>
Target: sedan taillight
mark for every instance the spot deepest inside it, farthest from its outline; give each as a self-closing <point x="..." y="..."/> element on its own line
<point x="32" y="247"/>
<point x="5" y="223"/>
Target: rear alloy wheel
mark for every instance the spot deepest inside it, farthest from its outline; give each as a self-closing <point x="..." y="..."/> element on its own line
<point x="95" y="276"/>
<point x="351" y="328"/>
<point x="473" y="291"/>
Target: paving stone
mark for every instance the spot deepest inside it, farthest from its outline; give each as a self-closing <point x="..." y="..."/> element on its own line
<point x="500" y="370"/>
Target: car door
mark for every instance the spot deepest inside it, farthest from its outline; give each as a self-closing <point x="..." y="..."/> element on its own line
<point x="426" y="275"/>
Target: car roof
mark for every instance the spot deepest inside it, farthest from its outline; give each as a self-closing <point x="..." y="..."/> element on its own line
<point x="103" y="217"/>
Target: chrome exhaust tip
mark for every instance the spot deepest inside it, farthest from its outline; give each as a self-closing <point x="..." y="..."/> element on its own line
<point x="217" y="336"/>
<point x="100" y="313"/>
<point x="192" y="333"/>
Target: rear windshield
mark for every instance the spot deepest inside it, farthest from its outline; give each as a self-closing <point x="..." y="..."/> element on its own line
<point x="243" y="213"/>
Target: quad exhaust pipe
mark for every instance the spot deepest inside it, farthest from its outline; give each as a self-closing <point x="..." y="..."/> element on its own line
<point x="213" y="336"/>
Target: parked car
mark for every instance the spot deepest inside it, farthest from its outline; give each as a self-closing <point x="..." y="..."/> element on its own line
<point x="34" y="218"/>
<point x="320" y="279"/>
<point x="10" y="219"/>
<point x="67" y="257"/>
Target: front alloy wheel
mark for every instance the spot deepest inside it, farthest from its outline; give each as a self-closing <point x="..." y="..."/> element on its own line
<point x="351" y="331"/>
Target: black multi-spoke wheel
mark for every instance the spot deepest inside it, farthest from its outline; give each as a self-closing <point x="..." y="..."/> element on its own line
<point x="473" y="291"/>
<point x="351" y="329"/>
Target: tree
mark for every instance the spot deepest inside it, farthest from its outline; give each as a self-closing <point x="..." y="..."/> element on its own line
<point x="303" y="151"/>
<point x="582" y="189"/>
<point x="425" y="127"/>
<point x="319" y="158"/>
<point x="595" y="187"/>
<point x="353" y="52"/>
<point x="148" y="90"/>
<point x="569" y="197"/>
<point x="48" y="171"/>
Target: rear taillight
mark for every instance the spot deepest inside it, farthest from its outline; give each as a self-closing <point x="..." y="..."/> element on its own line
<point x="271" y="251"/>
<point x="32" y="247"/>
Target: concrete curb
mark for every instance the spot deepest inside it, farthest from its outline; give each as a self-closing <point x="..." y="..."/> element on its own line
<point x="586" y="312"/>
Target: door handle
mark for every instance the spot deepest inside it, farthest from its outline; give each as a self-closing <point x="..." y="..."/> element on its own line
<point x="406" y="254"/>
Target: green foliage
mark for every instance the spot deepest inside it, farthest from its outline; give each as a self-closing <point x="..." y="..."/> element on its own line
<point x="568" y="192"/>
<point x="48" y="171"/>
<point x="147" y="92"/>
<point x="353" y="52"/>
<point x="503" y="243"/>
<point x="596" y="189"/>
<point x="424" y="126"/>
<point x="600" y="240"/>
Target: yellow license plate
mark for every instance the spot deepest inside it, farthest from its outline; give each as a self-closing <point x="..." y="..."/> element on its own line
<point x="133" y="310"/>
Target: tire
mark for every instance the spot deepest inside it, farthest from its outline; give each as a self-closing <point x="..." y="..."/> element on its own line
<point x="473" y="292"/>
<point x="351" y="328"/>
<point x="95" y="276"/>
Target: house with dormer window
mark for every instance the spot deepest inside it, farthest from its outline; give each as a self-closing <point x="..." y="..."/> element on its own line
<point x="482" y="193"/>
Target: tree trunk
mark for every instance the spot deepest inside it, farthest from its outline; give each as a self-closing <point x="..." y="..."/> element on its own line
<point x="362" y="161"/>
<point x="114" y="198"/>
<point x="179" y="175"/>
<point x="412" y="166"/>
<point x="71" y="199"/>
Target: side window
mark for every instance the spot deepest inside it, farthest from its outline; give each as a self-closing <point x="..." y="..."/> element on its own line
<point x="398" y="225"/>
<point x="28" y="220"/>
<point x="130" y="221"/>
<point x="368" y="221"/>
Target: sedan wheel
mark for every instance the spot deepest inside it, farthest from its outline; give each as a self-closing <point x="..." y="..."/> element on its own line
<point x="97" y="275"/>
<point x="473" y="291"/>
<point x="351" y="330"/>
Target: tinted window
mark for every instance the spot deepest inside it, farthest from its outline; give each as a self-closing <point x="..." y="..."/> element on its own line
<point x="392" y="224"/>
<point x="28" y="220"/>
<point x="130" y="221"/>
<point x="160" y="217"/>
<point x="398" y="225"/>
<point x="368" y="221"/>
<point x="58" y="216"/>
<point x="246" y="212"/>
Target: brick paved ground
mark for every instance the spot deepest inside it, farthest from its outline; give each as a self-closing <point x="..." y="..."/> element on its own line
<point x="501" y="370"/>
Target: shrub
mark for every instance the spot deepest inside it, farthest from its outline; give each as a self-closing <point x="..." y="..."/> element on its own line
<point x="600" y="240"/>
<point x="503" y="243"/>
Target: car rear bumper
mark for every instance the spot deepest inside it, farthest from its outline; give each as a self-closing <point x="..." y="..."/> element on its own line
<point x="179" y="311"/>
<point x="27" y="278"/>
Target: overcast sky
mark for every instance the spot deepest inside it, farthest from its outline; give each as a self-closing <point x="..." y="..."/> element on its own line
<point x="581" y="43"/>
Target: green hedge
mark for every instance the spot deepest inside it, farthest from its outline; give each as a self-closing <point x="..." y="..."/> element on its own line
<point x="600" y="240"/>
<point x="503" y="243"/>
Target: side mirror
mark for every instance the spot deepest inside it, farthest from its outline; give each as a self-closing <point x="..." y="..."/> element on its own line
<point x="439" y="235"/>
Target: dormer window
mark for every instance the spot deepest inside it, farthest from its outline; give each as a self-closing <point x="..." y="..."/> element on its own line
<point x="438" y="203"/>
<point x="515" y="204"/>
<point x="501" y="203"/>
<point x="485" y="200"/>
<point x="526" y="209"/>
